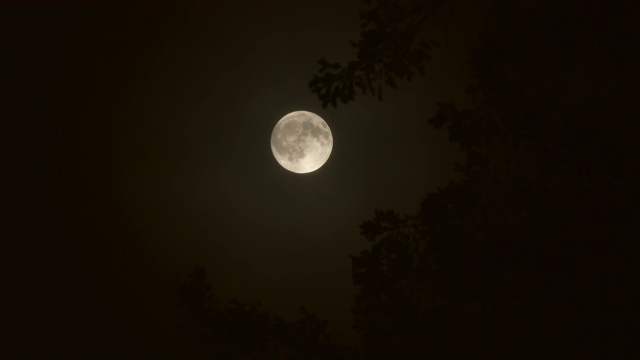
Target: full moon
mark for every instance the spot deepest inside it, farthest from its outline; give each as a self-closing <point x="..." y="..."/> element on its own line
<point x="301" y="142"/>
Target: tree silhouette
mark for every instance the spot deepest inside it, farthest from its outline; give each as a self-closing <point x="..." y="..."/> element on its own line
<point x="241" y="331"/>
<point x="391" y="48"/>
<point x="534" y="252"/>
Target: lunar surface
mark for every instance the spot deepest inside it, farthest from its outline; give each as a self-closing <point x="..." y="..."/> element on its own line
<point x="301" y="142"/>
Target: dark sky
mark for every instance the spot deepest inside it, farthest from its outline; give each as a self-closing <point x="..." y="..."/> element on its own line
<point x="162" y="117"/>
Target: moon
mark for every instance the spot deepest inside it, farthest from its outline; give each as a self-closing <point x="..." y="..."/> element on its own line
<point x="301" y="142"/>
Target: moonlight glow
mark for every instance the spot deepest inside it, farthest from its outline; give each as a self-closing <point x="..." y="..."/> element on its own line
<point x="301" y="142"/>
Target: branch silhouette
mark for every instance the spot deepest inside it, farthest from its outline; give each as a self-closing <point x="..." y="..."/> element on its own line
<point x="391" y="47"/>
<point x="512" y="260"/>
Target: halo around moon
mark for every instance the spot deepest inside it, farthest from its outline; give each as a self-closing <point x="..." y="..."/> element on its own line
<point x="301" y="142"/>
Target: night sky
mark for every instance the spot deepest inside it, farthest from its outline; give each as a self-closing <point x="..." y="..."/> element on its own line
<point x="162" y="117"/>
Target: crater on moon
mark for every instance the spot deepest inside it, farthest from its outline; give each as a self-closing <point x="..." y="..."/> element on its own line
<point x="301" y="142"/>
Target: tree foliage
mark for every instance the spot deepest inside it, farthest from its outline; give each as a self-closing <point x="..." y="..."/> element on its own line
<point x="244" y="331"/>
<point x="532" y="253"/>
<point x="390" y="48"/>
